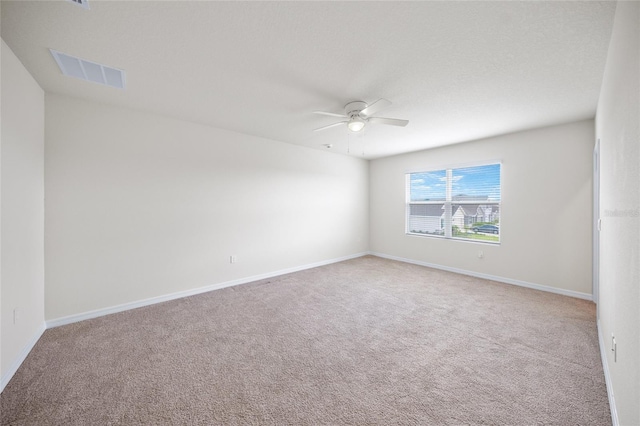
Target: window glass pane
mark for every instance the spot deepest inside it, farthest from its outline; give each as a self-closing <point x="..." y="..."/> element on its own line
<point x="479" y="222"/>
<point x="426" y="219"/>
<point x="428" y="186"/>
<point x="479" y="183"/>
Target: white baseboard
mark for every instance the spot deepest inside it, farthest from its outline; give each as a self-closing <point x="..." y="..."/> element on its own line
<point x="21" y="357"/>
<point x="607" y="377"/>
<point x="520" y="283"/>
<point x="57" y="322"/>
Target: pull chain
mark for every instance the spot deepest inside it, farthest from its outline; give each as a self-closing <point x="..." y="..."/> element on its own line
<point x="357" y="136"/>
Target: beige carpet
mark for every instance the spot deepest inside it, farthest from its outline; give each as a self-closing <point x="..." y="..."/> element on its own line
<point x="367" y="341"/>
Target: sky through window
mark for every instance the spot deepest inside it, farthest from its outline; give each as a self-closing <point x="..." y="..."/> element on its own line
<point x="468" y="182"/>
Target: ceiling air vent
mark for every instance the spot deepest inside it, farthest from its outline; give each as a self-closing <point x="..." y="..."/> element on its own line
<point x="90" y="71"/>
<point x="81" y="3"/>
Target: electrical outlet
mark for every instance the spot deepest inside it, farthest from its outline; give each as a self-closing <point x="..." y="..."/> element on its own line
<point x="233" y="259"/>
<point x="614" y="348"/>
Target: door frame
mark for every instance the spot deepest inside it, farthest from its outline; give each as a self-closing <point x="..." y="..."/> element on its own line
<point x="596" y="225"/>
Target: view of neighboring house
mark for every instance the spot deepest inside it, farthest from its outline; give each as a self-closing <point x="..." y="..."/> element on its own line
<point x="465" y="215"/>
<point x="429" y="218"/>
<point x="426" y="218"/>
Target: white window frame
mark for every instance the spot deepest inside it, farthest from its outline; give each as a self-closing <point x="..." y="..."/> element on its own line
<point x="449" y="202"/>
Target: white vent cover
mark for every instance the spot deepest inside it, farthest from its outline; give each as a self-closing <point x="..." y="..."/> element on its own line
<point x="81" y="3"/>
<point x="90" y="71"/>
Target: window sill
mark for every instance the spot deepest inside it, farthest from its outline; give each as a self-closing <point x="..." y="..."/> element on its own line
<point x="477" y="240"/>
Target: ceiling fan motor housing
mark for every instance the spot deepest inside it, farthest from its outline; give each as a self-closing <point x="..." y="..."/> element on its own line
<point x="354" y="108"/>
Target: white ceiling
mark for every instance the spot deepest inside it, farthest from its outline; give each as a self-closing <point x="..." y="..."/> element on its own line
<point x="457" y="70"/>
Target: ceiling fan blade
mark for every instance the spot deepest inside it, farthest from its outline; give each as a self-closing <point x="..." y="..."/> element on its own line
<point x="391" y="121"/>
<point x="330" y="126"/>
<point x="378" y="105"/>
<point x="330" y="114"/>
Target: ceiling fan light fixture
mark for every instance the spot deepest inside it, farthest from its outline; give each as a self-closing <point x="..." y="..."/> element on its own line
<point x="356" y="124"/>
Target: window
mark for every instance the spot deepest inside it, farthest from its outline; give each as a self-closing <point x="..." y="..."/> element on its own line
<point x="462" y="203"/>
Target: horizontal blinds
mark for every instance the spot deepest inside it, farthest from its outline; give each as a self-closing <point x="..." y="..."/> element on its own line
<point x="479" y="183"/>
<point x="456" y="203"/>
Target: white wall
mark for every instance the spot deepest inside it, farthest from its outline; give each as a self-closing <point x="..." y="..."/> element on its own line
<point x="22" y="217"/>
<point x="545" y="221"/>
<point x="140" y="205"/>
<point x="618" y="130"/>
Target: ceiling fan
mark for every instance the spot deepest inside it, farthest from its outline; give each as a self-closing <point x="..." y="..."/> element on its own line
<point x="358" y="114"/>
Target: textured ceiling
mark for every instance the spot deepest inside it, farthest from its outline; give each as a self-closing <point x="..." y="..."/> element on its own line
<point x="457" y="70"/>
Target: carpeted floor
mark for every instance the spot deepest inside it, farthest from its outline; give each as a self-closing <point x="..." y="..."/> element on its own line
<point x="367" y="341"/>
